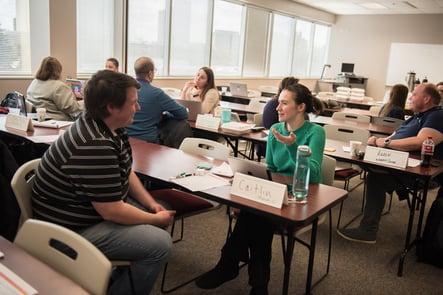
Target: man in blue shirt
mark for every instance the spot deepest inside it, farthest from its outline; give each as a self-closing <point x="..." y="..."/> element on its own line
<point x="426" y="122"/>
<point x="154" y="104"/>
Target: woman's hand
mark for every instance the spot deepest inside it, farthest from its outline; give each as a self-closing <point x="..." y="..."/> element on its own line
<point x="287" y="140"/>
<point x="189" y="84"/>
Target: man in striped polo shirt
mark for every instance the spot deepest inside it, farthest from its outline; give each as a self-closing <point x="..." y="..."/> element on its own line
<point x="85" y="182"/>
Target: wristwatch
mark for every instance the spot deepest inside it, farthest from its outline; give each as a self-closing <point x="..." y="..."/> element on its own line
<point x="387" y="142"/>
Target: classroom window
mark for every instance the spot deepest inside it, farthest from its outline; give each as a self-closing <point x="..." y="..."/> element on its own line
<point x="148" y="32"/>
<point x="282" y="45"/>
<point x="15" y="52"/>
<point x="319" y="49"/>
<point x="228" y="38"/>
<point x="95" y="43"/>
<point x="256" y="42"/>
<point x="311" y="45"/>
<point x="190" y="36"/>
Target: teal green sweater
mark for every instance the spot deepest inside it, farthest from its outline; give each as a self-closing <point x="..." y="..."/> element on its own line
<point x="281" y="158"/>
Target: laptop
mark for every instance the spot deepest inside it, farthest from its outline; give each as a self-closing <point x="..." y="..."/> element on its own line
<point x="194" y="107"/>
<point x="239" y="89"/>
<point x="249" y="167"/>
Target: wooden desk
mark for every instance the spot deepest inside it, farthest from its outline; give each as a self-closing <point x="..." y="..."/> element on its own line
<point x="27" y="135"/>
<point x="373" y="128"/>
<point x="235" y="99"/>
<point x="233" y="139"/>
<point x="251" y="108"/>
<point x="39" y="275"/>
<point x="161" y="162"/>
<point x="423" y="176"/>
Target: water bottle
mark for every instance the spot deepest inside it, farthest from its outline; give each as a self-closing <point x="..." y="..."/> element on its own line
<point x="427" y="151"/>
<point x="300" y="182"/>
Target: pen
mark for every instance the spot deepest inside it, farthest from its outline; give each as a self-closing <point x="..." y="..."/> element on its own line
<point x="182" y="175"/>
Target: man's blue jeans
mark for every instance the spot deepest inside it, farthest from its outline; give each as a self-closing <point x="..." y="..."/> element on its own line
<point x="147" y="246"/>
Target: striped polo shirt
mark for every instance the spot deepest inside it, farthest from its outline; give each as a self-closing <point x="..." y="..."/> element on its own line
<point x="88" y="163"/>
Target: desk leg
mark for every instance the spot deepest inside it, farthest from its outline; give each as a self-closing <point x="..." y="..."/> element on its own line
<point x="234" y="145"/>
<point x="408" y="243"/>
<point x="408" y="232"/>
<point x="311" y="256"/>
<point x="288" y="258"/>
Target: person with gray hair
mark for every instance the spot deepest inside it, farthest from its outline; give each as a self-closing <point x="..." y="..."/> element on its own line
<point x="155" y="104"/>
<point x="426" y="122"/>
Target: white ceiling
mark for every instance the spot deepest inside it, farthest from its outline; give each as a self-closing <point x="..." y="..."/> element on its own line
<point x="349" y="7"/>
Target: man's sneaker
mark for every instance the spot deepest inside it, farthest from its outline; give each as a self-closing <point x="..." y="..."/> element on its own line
<point x="220" y="274"/>
<point x="358" y="235"/>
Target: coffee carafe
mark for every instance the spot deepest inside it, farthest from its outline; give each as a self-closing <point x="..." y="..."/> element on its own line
<point x="410" y="78"/>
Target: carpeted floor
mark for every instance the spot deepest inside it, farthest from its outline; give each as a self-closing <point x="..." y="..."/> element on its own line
<point x="355" y="268"/>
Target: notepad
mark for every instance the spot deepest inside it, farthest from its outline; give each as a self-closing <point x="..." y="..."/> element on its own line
<point x="52" y="124"/>
<point x="11" y="283"/>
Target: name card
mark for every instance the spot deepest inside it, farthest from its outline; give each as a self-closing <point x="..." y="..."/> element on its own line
<point x="259" y="190"/>
<point x="207" y="121"/>
<point x="19" y="122"/>
<point x="386" y="157"/>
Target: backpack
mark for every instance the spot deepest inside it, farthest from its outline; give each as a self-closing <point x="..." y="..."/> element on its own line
<point x="13" y="100"/>
<point x="430" y="246"/>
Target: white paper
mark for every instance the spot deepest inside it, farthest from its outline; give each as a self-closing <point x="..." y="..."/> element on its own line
<point x="224" y="170"/>
<point x="346" y="148"/>
<point x="12" y="284"/>
<point x="200" y="183"/>
<point x="52" y="123"/>
<point x="413" y="162"/>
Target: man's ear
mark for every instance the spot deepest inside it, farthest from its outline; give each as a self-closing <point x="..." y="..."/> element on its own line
<point x="110" y="108"/>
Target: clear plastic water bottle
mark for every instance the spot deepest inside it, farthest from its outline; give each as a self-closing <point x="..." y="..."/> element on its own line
<point x="300" y="182"/>
<point x="427" y="151"/>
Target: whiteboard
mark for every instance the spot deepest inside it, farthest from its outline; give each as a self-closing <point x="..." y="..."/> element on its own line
<point x="423" y="59"/>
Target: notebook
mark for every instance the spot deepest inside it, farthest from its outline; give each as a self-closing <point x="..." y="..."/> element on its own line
<point x="194" y="107"/>
<point x="249" y="167"/>
<point x="239" y="89"/>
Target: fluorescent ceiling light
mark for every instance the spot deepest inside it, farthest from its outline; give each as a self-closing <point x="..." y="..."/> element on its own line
<point x="372" y="5"/>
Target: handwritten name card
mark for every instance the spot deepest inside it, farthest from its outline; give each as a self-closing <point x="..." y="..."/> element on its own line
<point x="386" y="157"/>
<point x="19" y="122"/>
<point x="207" y="121"/>
<point x="259" y="190"/>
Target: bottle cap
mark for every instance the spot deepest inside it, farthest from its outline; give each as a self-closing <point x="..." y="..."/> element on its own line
<point x="304" y="150"/>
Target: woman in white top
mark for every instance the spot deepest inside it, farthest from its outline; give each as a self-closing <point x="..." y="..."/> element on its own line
<point x="48" y="91"/>
<point x="203" y="89"/>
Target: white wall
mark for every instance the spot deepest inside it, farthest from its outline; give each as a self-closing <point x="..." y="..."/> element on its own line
<point x="365" y="41"/>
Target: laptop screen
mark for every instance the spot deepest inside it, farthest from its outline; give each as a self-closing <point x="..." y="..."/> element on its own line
<point x="194" y="107"/>
<point x="245" y="166"/>
<point x="76" y="85"/>
<point x="239" y="89"/>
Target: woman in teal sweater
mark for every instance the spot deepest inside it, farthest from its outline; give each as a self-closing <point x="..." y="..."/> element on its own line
<point x="251" y="239"/>
<point x="292" y="131"/>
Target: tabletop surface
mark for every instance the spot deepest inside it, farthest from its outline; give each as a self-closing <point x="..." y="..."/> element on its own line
<point x="36" y="273"/>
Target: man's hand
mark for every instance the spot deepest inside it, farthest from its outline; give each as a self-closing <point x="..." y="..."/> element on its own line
<point x="287" y="140"/>
<point x="372" y="141"/>
<point x="164" y="218"/>
<point x="157" y="208"/>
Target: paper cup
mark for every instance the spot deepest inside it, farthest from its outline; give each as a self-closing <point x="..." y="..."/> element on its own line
<point x="41" y="114"/>
<point x="354" y="147"/>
